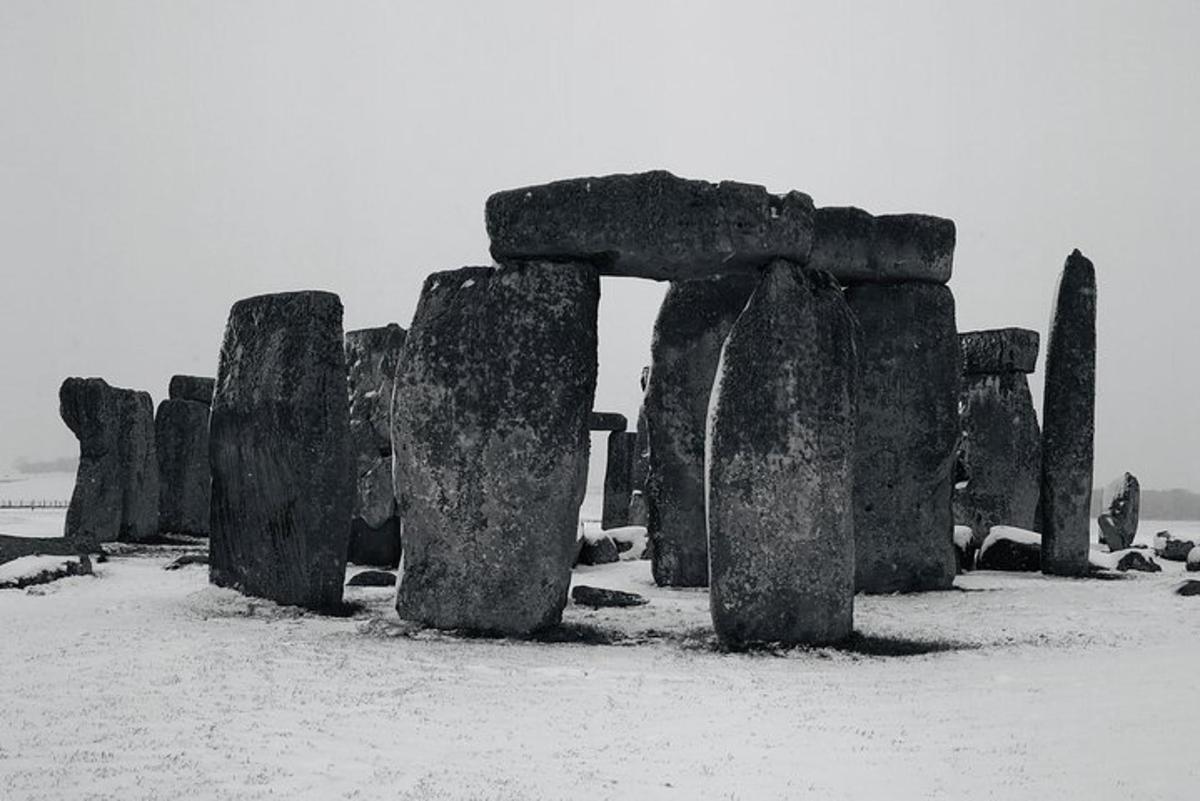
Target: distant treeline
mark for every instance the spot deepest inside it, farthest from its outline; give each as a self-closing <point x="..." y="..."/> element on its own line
<point x="1173" y="504"/>
<point x="67" y="464"/>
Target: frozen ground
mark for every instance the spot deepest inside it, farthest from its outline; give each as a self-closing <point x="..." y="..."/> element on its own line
<point x="141" y="684"/>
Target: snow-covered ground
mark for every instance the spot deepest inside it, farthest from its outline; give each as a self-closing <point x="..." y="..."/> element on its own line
<point x="140" y="683"/>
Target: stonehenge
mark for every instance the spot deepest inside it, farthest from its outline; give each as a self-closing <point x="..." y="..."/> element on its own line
<point x="999" y="451"/>
<point x="490" y="441"/>
<point x="181" y="443"/>
<point x="1119" y="520"/>
<point x="1068" y="409"/>
<point x="618" y="479"/>
<point x="279" y="450"/>
<point x="780" y="466"/>
<point x="372" y="356"/>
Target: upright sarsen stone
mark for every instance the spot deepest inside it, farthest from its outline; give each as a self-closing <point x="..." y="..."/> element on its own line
<point x="1068" y="407"/>
<point x="278" y="443"/>
<point x="1119" y="520"/>
<point x="691" y="327"/>
<point x="181" y="443"/>
<point x="780" y="466"/>
<point x="490" y="441"/>
<point x="618" y="479"/>
<point x="907" y="431"/>
<point x="139" y="466"/>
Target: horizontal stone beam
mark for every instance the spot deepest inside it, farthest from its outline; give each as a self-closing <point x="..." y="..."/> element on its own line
<point x="191" y="388"/>
<point x="858" y="248"/>
<point x="607" y="421"/>
<point x="999" y="350"/>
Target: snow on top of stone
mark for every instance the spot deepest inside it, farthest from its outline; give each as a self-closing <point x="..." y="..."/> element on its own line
<point x="27" y="567"/>
<point x="1011" y="533"/>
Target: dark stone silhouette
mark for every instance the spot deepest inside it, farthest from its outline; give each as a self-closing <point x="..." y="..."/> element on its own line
<point x="599" y="597"/>
<point x="279" y="449"/>
<point x="1172" y="548"/>
<point x="490" y="435"/>
<point x="372" y="578"/>
<point x="15" y="547"/>
<point x="651" y="225"/>
<point x="780" y="470"/>
<point x="1138" y="561"/>
<point x="607" y="421"/>
<point x="1005" y="553"/>
<point x="856" y="247"/>
<point x="1067" y="422"/>
<point x="601" y="551"/>
<point x="906" y="436"/>
<point x="999" y="452"/>
<point x="618" y="474"/>
<point x="1119" y="522"/>
<point x="191" y="388"/>
<point x="372" y="356"/>
<point x="688" y="334"/>
<point x="1188" y="588"/>
<point x="181" y="443"/>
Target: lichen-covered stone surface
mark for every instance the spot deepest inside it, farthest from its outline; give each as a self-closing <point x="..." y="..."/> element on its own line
<point x="618" y="479"/>
<point x="279" y="448"/>
<point x="691" y="327"/>
<point x="116" y="485"/>
<point x="191" y="387"/>
<point x="780" y="466"/>
<point x="1068" y="425"/>
<point x="185" y="480"/>
<point x="651" y="225"/>
<point x="999" y="350"/>
<point x="858" y="247"/>
<point x="490" y="437"/>
<point x="1119" y="520"/>
<point x="907" y="431"/>
<point x="607" y="421"/>
<point x="999" y="454"/>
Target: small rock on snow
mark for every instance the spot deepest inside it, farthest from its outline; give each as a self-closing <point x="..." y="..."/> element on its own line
<point x="596" y="597"/>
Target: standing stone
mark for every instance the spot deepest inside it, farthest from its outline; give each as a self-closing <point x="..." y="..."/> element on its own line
<point x="641" y="458"/>
<point x="185" y="481"/>
<point x="780" y="466"/>
<point x="907" y="431"/>
<point x="372" y="356"/>
<point x="139" y="466"/>
<point x="278" y="444"/>
<point x="691" y="327"/>
<point x="1068" y="407"/>
<point x="617" y="479"/>
<point x="490" y="436"/>
<point x="999" y="452"/>
<point x="191" y="387"/>
<point x="1119" y="521"/>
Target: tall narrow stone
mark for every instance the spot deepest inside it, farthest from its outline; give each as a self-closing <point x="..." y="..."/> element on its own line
<point x="999" y="451"/>
<point x="1068" y="408"/>
<point x="278" y="443"/>
<point x="372" y="356"/>
<point x="780" y="466"/>
<point x="185" y="481"/>
<point x="1122" y="505"/>
<point x="691" y="327"/>
<point x="907" y="431"/>
<point x="139" y="466"/>
<point x="490" y="440"/>
<point x="618" y="474"/>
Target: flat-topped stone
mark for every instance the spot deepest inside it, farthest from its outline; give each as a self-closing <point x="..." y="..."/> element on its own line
<point x="651" y="225"/>
<point x="607" y="421"/>
<point x="191" y="387"/>
<point x="999" y="350"/>
<point x="857" y="247"/>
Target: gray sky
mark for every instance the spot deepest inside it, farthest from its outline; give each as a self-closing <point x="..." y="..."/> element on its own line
<point x="160" y="160"/>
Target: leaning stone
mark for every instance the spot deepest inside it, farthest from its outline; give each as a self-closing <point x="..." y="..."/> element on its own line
<point x="191" y="388"/>
<point x="907" y="430"/>
<point x="278" y="436"/>
<point x="617" y="479"/>
<point x="780" y="466"/>
<point x="489" y="429"/>
<point x="185" y="481"/>
<point x="999" y="454"/>
<point x="607" y="421"/>
<point x="598" y="597"/>
<point x="1068" y="422"/>
<point x="856" y="247"/>
<point x="999" y="350"/>
<point x="1119" y="522"/>
<point x="378" y="546"/>
<point x="691" y="327"/>
<point x="651" y="225"/>
<point x="372" y="578"/>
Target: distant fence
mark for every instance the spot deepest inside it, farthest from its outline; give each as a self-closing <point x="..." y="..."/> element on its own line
<point x="40" y="504"/>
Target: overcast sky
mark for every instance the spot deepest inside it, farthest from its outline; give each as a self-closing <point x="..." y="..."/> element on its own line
<point x="160" y="160"/>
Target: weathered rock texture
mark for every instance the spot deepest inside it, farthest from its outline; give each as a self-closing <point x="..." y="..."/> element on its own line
<point x="1119" y="521"/>
<point x="490" y="435"/>
<point x="279" y="447"/>
<point x="1068" y="408"/>
<point x="191" y="387"/>
<point x="618" y="475"/>
<point x="185" y="480"/>
<point x="16" y="547"/>
<point x="651" y="225"/>
<point x="607" y="421"/>
<point x="780" y="466"/>
<point x="116" y="486"/>
<point x="691" y="327"/>
<point x="999" y="451"/>
<point x="372" y="356"/>
<point x="907" y="431"/>
<point x="856" y="247"/>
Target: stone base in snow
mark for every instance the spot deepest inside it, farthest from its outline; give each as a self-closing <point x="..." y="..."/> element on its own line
<point x="30" y="570"/>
